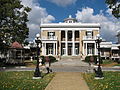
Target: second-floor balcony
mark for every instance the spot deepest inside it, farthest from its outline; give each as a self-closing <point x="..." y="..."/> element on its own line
<point x="89" y="37"/>
<point x="49" y="38"/>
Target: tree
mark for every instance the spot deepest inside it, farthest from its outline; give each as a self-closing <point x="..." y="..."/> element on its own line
<point x="13" y="22"/>
<point x="115" y="6"/>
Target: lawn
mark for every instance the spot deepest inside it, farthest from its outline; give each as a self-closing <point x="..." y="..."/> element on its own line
<point x="108" y="63"/>
<point x="23" y="81"/>
<point x="111" y="81"/>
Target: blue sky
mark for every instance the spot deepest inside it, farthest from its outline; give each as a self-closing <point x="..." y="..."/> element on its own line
<point x="61" y="12"/>
<point x="85" y="11"/>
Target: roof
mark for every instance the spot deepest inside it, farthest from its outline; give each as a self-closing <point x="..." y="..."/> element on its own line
<point x="70" y="25"/>
<point x="105" y="44"/>
<point x="16" y="45"/>
<point x="115" y="47"/>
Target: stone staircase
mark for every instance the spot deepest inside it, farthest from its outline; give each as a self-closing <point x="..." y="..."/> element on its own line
<point x="70" y="61"/>
<point x="70" y="57"/>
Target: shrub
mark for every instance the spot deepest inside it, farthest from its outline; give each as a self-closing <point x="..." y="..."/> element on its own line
<point x="87" y="59"/>
<point x="118" y="61"/>
<point x="52" y="59"/>
<point x="43" y="59"/>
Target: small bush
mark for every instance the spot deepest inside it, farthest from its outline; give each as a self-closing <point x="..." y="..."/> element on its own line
<point x="43" y="59"/>
<point x="118" y="61"/>
<point x="52" y="59"/>
<point x="87" y="59"/>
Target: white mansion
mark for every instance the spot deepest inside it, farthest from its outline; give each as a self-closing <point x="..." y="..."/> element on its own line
<point x="72" y="38"/>
<point x="69" y="38"/>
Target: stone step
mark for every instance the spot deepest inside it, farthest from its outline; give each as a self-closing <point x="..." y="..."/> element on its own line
<point x="70" y="57"/>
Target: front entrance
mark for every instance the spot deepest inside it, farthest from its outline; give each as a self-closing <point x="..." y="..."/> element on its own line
<point x="50" y="49"/>
<point x="69" y="48"/>
<point x="90" y="49"/>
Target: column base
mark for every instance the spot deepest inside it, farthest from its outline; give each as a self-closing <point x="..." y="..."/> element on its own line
<point x="36" y="77"/>
<point x="99" y="78"/>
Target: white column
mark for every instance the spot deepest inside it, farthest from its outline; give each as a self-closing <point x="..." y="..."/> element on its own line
<point x="73" y="42"/>
<point x="66" y="44"/>
<point x="56" y="49"/>
<point x="86" y="48"/>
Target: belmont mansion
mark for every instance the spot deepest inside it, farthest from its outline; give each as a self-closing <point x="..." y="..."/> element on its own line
<point x="72" y="38"/>
<point x="67" y="38"/>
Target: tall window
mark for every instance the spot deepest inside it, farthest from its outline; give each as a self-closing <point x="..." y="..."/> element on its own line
<point x="69" y="35"/>
<point x="90" y="48"/>
<point x="77" y="48"/>
<point x="89" y="34"/>
<point x="51" y="35"/>
<point x="76" y="35"/>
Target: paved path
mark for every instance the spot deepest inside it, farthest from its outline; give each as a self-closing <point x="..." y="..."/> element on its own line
<point x="67" y="81"/>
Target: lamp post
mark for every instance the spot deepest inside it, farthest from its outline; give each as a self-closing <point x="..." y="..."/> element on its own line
<point x="99" y="73"/>
<point x="37" y="73"/>
<point x="119" y="51"/>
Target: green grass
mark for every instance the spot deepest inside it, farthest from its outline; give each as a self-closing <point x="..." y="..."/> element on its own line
<point x="107" y="61"/>
<point x="111" y="81"/>
<point x="117" y="65"/>
<point x="23" y="81"/>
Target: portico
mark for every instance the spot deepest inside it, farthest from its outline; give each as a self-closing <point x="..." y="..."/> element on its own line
<point x="49" y="48"/>
<point x="69" y="45"/>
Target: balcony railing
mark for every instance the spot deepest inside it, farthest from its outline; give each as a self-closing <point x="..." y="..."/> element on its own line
<point x="49" y="38"/>
<point x="89" y="37"/>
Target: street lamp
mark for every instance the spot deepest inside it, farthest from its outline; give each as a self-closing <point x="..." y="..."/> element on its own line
<point x="119" y="51"/>
<point x="98" y="72"/>
<point x="37" y="73"/>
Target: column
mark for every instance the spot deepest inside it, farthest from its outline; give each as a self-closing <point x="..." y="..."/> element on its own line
<point x="86" y="48"/>
<point x="66" y="44"/>
<point x="56" y="49"/>
<point x="73" y="42"/>
<point x="95" y="49"/>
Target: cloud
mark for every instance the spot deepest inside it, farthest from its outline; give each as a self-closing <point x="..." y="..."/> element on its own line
<point x="109" y="24"/>
<point x="48" y="19"/>
<point x="63" y="3"/>
<point x="37" y="13"/>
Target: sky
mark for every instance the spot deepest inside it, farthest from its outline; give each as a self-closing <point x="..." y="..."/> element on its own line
<point x="85" y="11"/>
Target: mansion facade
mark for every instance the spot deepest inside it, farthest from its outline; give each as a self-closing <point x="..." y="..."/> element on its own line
<point x="69" y="38"/>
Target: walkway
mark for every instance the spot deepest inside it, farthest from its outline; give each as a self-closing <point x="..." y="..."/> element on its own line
<point x="67" y="81"/>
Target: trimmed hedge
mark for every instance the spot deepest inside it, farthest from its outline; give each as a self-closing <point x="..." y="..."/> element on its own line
<point x="52" y="59"/>
<point x="87" y="59"/>
<point x="43" y="59"/>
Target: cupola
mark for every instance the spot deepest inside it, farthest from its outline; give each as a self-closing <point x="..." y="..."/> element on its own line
<point x="70" y="20"/>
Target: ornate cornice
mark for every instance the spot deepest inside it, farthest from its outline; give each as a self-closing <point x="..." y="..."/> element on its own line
<point x="70" y="25"/>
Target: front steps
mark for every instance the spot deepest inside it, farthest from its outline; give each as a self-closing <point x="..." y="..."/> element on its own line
<point x="70" y="61"/>
<point x="70" y="57"/>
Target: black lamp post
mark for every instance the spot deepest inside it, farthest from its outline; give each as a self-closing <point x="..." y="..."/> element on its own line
<point x="99" y="73"/>
<point x="119" y="51"/>
<point x="37" y="73"/>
